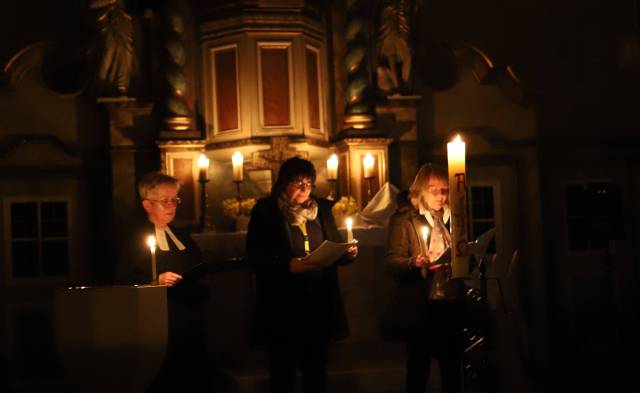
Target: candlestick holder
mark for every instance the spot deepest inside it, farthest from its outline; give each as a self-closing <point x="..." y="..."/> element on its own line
<point x="202" y="227"/>
<point x="238" y="196"/>
<point x="369" y="180"/>
<point x="332" y="189"/>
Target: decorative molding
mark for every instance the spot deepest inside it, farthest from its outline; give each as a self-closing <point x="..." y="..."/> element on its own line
<point x="486" y="71"/>
<point x="264" y="141"/>
<point x="25" y="60"/>
<point x="273" y="157"/>
<point x="274" y="21"/>
<point x="287" y="47"/>
<point x="215" y="100"/>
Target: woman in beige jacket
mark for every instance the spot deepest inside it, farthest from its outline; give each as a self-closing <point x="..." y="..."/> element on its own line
<point x="426" y="311"/>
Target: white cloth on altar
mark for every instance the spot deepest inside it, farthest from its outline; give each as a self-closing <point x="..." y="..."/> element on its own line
<point x="379" y="209"/>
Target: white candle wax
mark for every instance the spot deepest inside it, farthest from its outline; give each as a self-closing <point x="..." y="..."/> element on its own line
<point x="425" y="235"/>
<point x="151" y="241"/>
<point x="332" y="167"/>
<point x="203" y="165"/>
<point x="349" y="222"/>
<point x="237" y="160"/>
<point x="458" y="206"/>
<point x="367" y="163"/>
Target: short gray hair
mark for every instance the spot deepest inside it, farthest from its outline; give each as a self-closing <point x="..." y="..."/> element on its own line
<point x="153" y="180"/>
<point x="426" y="172"/>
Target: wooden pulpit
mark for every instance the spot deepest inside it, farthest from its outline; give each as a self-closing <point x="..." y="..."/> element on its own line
<point x="113" y="338"/>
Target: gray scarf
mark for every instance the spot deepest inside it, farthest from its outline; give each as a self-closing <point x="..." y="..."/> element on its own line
<point x="298" y="214"/>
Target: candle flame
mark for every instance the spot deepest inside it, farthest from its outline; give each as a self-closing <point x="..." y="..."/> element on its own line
<point x="349" y="222"/>
<point x="332" y="162"/>
<point x="457" y="138"/>
<point x="203" y="161"/>
<point x="368" y="160"/>
<point x="151" y="242"/>
<point x="237" y="158"/>
<point x="425" y="232"/>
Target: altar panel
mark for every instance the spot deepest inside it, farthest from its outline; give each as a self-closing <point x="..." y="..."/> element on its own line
<point x="366" y="287"/>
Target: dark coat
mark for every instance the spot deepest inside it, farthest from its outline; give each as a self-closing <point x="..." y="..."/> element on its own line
<point x="135" y="261"/>
<point x="184" y="367"/>
<point x="287" y="301"/>
<point x="408" y="307"/>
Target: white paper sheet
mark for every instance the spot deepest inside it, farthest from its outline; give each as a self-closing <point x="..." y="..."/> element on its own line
<point x="328" y="253"/>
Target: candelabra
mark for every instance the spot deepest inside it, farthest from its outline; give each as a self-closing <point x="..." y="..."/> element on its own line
<point x="369" y="180"/>
<point x="203" y="204"/>
<point x="332" y="190"/>
<point x="238" y="196"/>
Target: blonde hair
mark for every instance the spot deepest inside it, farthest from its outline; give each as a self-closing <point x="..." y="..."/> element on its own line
<point x="153" y="180"/>
<point x="426" y="172"/>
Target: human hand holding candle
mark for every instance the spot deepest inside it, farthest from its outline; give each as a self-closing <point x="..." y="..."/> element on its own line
<point x="169" y="279"/>
<point x="349" y="222"/>
<point x="151" y="242"/>
<point x="203" y="165"/>
<point x="237" y="161"/>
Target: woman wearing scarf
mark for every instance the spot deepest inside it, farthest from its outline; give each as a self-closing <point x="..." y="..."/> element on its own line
<point x="299" y="306"/>
<point x="428" y="299"/>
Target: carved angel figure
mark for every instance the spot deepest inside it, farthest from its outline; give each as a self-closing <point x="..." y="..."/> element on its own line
<point x="393" y="46"/>
<point x="115" y="28"/>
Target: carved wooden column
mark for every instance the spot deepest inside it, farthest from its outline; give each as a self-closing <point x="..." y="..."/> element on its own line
<point x="359" y="112"/>
<point x="132" y="151"/>
<point x="177" y="116"/>
<point x="397" y="116"/>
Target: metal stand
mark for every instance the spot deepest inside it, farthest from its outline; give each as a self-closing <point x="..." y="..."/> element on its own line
<point x="332" y="190"/>
<point x="369" y="188"/>
<point x="203" y="205"/>
<point x="238" y="196"/>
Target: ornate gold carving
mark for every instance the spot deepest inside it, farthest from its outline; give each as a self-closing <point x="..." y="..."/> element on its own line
<point x="272" y="158"/>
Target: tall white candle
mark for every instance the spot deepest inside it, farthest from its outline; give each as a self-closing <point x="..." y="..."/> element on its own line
<point x="458" y="206"/>
<point x="367" y="163"/>
<point x="349" y="222"/>
<point x="203" y="165"/>
<point x="332" y="167"/>
<point x="237" y="160"/>
<point x="151" y="242"/>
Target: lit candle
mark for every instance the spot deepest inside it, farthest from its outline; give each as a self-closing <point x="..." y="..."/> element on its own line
<point x="425" y="233"/>
<point x="349" y="222"/>
<point x="151" y="241"/>
<point x="237" y="160"/>
<point x="458" y="206"/>
<point x="332" y="167"/>
<point x="367" y="163"/>
<point x="203" y="164"/>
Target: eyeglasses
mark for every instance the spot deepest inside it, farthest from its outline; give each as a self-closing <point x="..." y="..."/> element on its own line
<point x="167" y="202"/>
<point x="438" y="191"/>
<point x="303" y="185"/>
